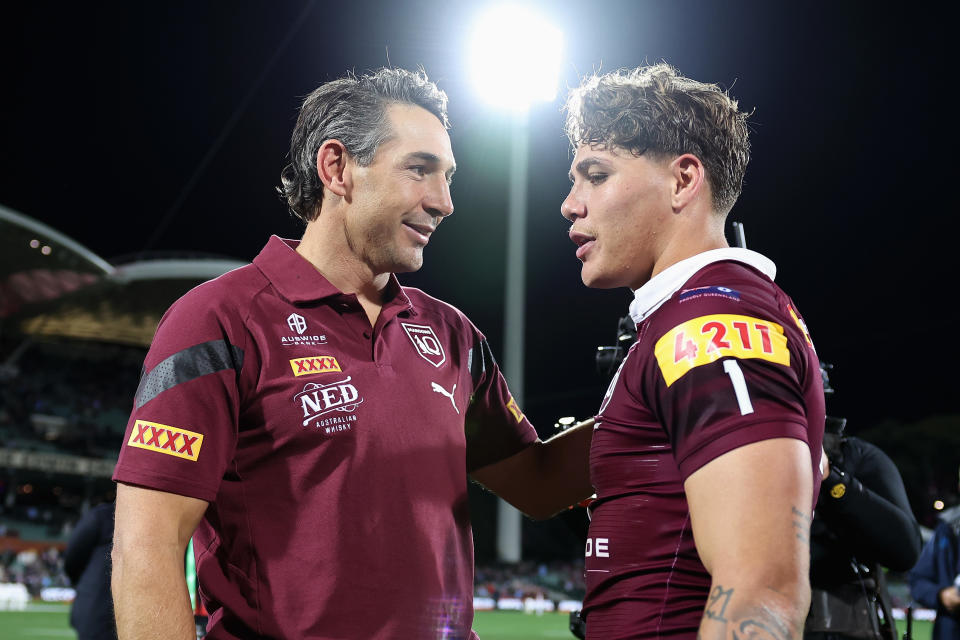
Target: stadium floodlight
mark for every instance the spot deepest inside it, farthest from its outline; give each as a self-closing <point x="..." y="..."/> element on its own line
<point x="515" y="57"/>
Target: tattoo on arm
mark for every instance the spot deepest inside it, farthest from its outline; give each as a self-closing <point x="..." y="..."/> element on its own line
<point x="769" y="629"/>
<point x="717" y="603"/>
<point x="757" y="622"/>
<point x="801" y="522"/>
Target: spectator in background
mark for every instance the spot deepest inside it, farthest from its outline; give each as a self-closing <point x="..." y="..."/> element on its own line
<point x="863" y="522"/>
<point x="86" y="561"/>
<point x="934" y="581"/>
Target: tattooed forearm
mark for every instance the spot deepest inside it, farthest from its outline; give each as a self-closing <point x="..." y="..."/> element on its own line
<point x="717" y="603"/>
<point x="737" y="622"/>
<point x="801" y="524"/>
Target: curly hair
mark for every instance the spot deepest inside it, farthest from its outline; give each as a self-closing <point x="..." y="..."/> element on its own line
<point x="352" y="110"/>
<point x="656" y="110"/>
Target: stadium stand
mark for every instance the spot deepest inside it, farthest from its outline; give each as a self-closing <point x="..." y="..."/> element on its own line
<point x="74" y="329"/>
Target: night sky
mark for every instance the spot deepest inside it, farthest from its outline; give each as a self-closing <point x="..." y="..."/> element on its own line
<point x="138" y="127"/>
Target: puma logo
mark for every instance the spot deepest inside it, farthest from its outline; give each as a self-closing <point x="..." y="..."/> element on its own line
<point x="443" y="391"/>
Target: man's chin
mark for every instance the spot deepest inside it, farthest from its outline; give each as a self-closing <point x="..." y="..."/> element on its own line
<point x="596" y="280"/>
<point x="408" y="263"/>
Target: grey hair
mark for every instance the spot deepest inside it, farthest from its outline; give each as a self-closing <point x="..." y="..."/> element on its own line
<point x="352" y="110"/>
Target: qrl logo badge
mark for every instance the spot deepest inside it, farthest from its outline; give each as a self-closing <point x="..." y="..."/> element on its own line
<point x="163" y="438"/>
<point x="426" y="343"/>
<point x="296" y="323"/>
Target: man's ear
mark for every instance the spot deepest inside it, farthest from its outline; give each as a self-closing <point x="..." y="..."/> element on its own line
<point x="332" y="160"/>
<point x="689" y="180"/>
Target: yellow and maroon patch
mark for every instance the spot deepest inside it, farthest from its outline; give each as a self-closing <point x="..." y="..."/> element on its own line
<point x="515" y="410"/>
<point x="163" y="438"/>
<point x="708" y="338"/>
<point x="802" y="325"/>
<point x="314" y="364"/>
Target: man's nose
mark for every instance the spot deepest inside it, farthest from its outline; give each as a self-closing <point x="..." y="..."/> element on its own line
<point x="572" y="208"/>
<point x="438" y="201"/>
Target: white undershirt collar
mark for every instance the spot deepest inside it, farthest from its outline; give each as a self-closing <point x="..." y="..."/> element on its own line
<point x="659" y="288"/>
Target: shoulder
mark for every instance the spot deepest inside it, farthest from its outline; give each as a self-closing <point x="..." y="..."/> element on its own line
<point x="225" y="295"/>
<point x="728" y="293"/>
<point x="864" y="450"/>
<point x="212" y="311"/>
<point x="431" y="308"/>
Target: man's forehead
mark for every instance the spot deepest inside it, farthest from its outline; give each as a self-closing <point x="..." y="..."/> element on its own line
<point x="595" y="151"/>
<point x="416" y="130"/>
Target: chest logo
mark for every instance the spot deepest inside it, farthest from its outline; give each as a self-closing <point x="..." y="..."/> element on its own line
<point x="297" y="323"/>
<point x="315" y="364"/>
<point x="436" y="387"/>
<point x="426" y="343"/>
<point x="318" y="399"/>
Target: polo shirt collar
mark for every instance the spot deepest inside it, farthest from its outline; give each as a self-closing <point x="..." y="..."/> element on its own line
<point x="659" y="288"/>
<point x="299" y="281"/>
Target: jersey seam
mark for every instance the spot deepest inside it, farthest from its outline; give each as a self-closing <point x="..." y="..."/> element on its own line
<point x="673" y="566"/>
<point x="236" y="467"/>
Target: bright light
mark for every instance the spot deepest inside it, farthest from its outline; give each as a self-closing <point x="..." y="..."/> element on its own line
<point x="938" y="505"/>
<point x="515" y="57"/>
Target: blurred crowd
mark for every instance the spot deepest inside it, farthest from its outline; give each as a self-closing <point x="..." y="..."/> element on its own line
<point x="37" y="570"/>
<point x="555" y="580"/>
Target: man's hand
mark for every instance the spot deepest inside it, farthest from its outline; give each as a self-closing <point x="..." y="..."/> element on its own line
<point x="950" y="599"/>
<point x="824" y="464"/>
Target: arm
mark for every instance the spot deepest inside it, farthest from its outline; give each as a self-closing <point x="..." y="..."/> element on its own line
<point x="871" y="509"/>
<point x="750" y="514"/>
<point x="149" y="587"/>
<point x="546" y="477"/>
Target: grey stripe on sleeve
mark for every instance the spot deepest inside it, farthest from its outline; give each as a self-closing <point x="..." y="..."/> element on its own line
<point x="479" y="359"/>
<point x="189" y="364"/>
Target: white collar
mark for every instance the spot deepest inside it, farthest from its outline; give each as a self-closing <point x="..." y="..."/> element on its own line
<point x="660" y="287"/>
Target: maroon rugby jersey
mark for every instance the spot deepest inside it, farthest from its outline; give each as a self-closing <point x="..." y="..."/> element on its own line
<point x="722" y="359"/>
<point x="334" y="454"/>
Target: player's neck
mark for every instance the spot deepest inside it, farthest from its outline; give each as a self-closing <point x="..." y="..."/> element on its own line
<point x="691" y="236"/>
<point x="328" y="252"/>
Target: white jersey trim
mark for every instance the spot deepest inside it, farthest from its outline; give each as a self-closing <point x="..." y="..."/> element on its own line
<point x="659" y="288"/>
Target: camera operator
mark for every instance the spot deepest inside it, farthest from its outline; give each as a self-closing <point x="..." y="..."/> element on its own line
<point x="863" y="521"/>
<point x="935" y="581"/>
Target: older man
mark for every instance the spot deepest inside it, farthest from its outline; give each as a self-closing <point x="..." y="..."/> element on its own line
<point x="311" y="423"/>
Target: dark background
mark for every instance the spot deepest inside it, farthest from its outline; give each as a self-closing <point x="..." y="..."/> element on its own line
<point x="163" y="126"/>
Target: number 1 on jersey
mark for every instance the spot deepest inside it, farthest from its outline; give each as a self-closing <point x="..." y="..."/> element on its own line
<point x="732" y="367"/>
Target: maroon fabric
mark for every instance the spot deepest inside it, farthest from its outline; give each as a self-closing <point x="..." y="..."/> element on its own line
<point x="643" y="575"/>
<point x="335" y="469"/>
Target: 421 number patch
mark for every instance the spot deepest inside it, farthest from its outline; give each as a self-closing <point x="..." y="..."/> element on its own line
<point x="708" y="338"/>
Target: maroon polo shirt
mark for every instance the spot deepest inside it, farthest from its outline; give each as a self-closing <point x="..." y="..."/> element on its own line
<point x="722" y="359"/>
<point x="334" y="455"/>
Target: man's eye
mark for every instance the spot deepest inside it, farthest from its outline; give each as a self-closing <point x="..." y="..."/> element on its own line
<point x="419" y="169"/>
<point x="596" y="178"/>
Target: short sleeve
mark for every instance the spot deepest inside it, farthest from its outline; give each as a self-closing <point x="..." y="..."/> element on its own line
<point x="182" y="431"/>
<point x="722" y="376"/>
<point x="495" y="426"/>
